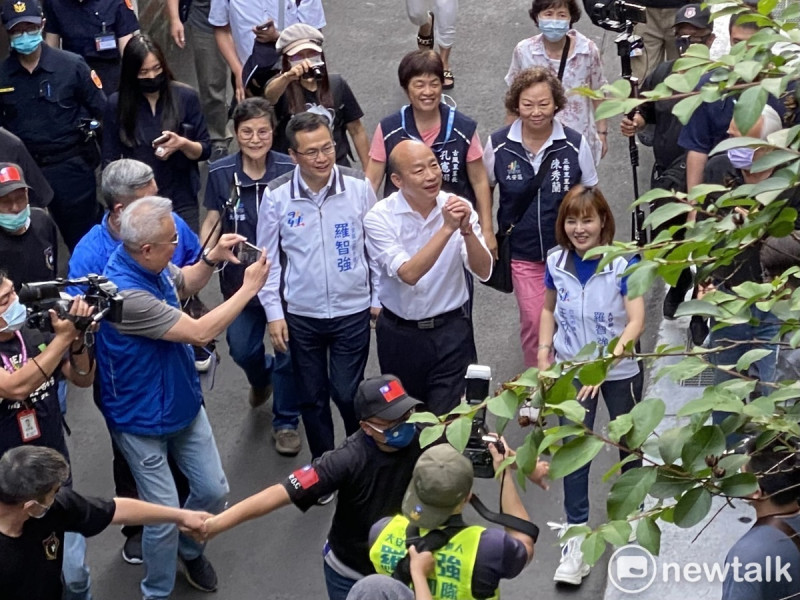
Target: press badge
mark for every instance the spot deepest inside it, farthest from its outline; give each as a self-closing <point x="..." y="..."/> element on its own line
<point x="28" y="425"/>
<point x="105" y="41"/>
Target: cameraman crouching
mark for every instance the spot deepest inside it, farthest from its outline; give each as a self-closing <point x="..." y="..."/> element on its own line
<point x="151" y="396"/>
<point x="33" y="364"/>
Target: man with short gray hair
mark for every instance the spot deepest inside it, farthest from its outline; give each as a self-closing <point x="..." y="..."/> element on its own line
<point x="166" y="417"/>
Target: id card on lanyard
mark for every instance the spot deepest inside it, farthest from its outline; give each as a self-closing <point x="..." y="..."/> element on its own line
<point x="27" y="421"/>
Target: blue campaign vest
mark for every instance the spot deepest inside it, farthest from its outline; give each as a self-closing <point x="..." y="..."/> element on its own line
<point x="149" y="387"/>
<point x="450" y="147"/>
<point x="535" y="233"/>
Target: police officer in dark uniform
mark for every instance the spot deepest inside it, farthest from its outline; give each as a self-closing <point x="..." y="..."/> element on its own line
<point x="14" y="151"/>
<point x="97" y="30"/>
<point x="47" y="96"/>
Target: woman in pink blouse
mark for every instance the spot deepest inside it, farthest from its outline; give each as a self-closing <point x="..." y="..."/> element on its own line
<point x="555" y="18"/>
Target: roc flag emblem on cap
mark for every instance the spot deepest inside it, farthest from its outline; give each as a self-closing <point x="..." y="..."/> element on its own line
<point x="10" y="173"/>
<point x="19" y="7"/>
<point x="392" y="390"/>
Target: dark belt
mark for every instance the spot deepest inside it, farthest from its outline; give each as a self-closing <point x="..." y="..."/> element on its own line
<point x="44" y="158"/>
<point x="429" y="323"/>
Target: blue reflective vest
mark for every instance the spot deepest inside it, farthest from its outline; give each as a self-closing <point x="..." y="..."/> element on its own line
<point x="149" y="387"/>
<point x="450" y="147"/>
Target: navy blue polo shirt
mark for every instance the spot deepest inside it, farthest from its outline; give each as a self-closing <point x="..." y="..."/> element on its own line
<point x="708" y="125"/>
<point x="242" y="218"/>
<point x="79" y="22"/>
<point x="178" y="177"/>
<point x="44" y="108"/>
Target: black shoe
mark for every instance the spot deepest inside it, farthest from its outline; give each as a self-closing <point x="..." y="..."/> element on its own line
<point x="132" y="550"/>
<point x="200" y="574"/>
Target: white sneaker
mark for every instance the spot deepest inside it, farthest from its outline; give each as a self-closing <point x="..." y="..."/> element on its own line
<point x="572" y="569"/>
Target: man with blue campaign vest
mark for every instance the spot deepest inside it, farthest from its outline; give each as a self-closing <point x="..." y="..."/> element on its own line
<point x="469" y="560"/>
<point x="313" y="217"/>
<point x="151" y="396"/>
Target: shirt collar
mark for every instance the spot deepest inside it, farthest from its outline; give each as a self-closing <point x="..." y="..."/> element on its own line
<point x="45" y="61"/>
<point x="334" y="186"/>
<point x="402" y="206"/>
<point x="515" y="133"/>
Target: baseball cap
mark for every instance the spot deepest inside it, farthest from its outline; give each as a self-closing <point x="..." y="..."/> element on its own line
<point x="383" y="397"/>
<point x="693" y="14"/>
<point x="21" y="11"/>
<point x="299" y="37"/>
<point x="11" y="178"/>
<point x="441" y="481"/>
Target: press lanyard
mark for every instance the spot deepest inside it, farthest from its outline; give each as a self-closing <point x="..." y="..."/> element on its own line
<point x="7" y="364"/>
<point x="451" y="117"/>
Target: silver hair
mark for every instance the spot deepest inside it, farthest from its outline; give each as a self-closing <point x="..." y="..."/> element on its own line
<point x="122" y="178"/>
<point x="142" y="218"/>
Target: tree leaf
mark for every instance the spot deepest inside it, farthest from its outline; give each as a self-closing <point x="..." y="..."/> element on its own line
<point x="641" y="278"/>
<point x="573" y="455"/>
<point x="748" y="69"/>
<point x="669" y="485"/>
<point x="616" y="532"/>
<point x="739" y="485"/>
<point x="692" y="507"/>
<point x="666" y="212"/>
<point x="592" y="374"/>
<point x="430" y="434"/>
<point x="707" y="441"/>
<point x="683" y="110"/>
<point x="629" y="491"/>
<point x="593" y="547"/>
<point x="504" y="405"/>
<point x="646" y="416"/>
<point x="458" y="433"/>
<point x="648" y="535"/>
<point x="619" y="427"/>
<point x="748" y="108"/>
<point x="423" y="417"/>
<point x="733" y="462"/>
<point x="571" y="409"/>
<point x="751" y="356"/>
<point x="558" y="433"/>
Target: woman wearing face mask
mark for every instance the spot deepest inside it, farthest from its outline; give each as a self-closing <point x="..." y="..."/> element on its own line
<point x="559" y="44"/>
<point x="160" y="122"/>
<point x="305" y="83"/>
<point x="33" y="363"/>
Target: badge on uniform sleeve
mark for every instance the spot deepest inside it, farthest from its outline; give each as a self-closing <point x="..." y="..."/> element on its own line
<point x="28" y="425"/>
<point x="304" y="478"/>
<point x="96" y="79"/>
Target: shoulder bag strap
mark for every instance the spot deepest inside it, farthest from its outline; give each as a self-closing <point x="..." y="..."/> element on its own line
<point x="782" y="526"/>
<point x="564" y="56"/>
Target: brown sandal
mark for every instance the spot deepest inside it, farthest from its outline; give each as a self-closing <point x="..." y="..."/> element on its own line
<point x="448" y="74"/>
<point x="425" y="42"/>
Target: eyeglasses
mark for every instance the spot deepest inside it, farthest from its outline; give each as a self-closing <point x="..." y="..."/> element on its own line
<point x="391" y="425"/>
<point x="156" y="70"/>
<point x="23" y="30"/>
<point x="263" y="134"/>
<point x="313" y="154"/>
<point x="173" y="241"/>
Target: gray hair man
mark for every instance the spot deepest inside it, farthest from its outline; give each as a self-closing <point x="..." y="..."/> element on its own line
<point x="142" y="418"/>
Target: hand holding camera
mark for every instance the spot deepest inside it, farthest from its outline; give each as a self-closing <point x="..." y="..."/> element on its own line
<point x="73" y="323"/>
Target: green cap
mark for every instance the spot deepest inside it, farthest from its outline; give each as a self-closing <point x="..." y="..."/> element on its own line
<point x="441" y="481"/>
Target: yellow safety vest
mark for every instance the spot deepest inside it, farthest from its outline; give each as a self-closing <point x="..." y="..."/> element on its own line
<point x="455" y="562"/>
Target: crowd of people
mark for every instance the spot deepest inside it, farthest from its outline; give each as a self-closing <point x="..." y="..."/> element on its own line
<point x="319" y="235"/>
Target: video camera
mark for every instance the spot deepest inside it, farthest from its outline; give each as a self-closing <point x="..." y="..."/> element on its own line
<point x="478" y="380"/>
<point x="43" y="296"/>
<point x="615" y="15"/>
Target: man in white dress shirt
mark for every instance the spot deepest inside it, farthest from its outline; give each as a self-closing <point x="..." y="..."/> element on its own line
<point x="422" y="239"/>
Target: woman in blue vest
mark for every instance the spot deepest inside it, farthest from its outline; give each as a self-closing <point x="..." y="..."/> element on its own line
<point x="583" y="305"/>
<point x="451" y="135"/>
<point x="534" y="161"/>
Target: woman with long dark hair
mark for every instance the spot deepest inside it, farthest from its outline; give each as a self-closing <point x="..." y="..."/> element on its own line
<point x="305" y="84"/>
<point x="159" y="121"/>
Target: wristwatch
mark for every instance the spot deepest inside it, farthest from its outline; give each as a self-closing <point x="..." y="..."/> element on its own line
<point x="205" y="259"/>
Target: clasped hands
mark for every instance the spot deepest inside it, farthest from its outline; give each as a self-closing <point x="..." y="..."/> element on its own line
<point x="456" y="213"/>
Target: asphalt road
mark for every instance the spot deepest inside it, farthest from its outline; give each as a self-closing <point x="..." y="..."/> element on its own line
<point x="279" y="557"/>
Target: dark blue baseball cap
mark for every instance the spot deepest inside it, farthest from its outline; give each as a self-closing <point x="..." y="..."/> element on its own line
<point x="21" y="11"/>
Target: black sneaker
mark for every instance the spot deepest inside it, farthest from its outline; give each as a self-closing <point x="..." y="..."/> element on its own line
<point x="200" y="574"/>
<point x="132" y="550"/>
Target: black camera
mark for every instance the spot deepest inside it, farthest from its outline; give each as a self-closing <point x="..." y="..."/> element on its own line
<point x="614" y="15"/>
<point x="478" y="380"/>
<point x="41" y="297"/>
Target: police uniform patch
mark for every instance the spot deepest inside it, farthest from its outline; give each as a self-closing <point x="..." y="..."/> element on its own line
<point x="19" y="7"/>
<point x="96" y="80"/>
<point x="51" y="544"/>
<point x="306" y="476"/>
<point x="690" y="12"/>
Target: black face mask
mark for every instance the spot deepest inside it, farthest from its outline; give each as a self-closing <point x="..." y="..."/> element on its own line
<point x="150" y="85"/>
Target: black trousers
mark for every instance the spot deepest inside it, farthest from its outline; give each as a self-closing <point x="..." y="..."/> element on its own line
<point x="431" y="363"/>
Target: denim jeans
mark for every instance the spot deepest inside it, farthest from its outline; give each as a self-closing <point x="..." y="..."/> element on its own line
<point x="195" y="451"/>
<point x="246" y="342"/>
<point x="331" y="354"/>
<point x="620" y="397"/>
<point x="77" y="583"/>
<point x="338" y="586"/>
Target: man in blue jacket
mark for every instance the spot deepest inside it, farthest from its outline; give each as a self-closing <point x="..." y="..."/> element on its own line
<point x="165" y="416"/>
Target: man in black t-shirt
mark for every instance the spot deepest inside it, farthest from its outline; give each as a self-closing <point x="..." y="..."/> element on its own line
<point x="28" y="238"/>
<point x="370" y="470"/>
<point x="35" y="511"/>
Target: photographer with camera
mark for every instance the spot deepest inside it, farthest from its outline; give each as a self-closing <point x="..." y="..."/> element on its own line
<point x="470" y="559"/>
<point x="306" y="83"/>
<point x="166" y="416"/>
